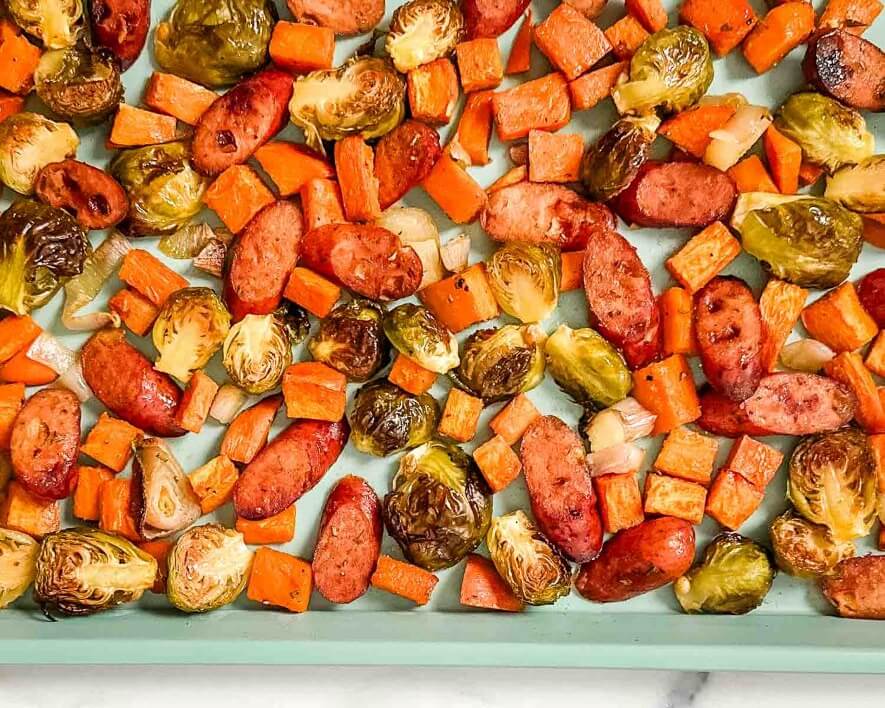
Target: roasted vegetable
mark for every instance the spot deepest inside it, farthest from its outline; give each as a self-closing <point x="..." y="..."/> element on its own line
<point x="79" y="83"/>
<point x="859" y="187"/>
<point x="524" y="278"/>
<point x="18" y="559"/>
<point x="208" y="568"/>
<point x="805" y="549"/>
<point x="534" y="569"/>
<point x="422" y="31"/>
<point x="294" y="320"/>
<point x="439" y="506"/>
<point x="832" y="482"/>
<point x="29" y="142"/>
<point x="256" y="352"/>
<point x="733" y="578"/>
<point x="415" y="228"/>
<point x="610" y="165"/>
<point x="215" y="42"/>
<point x="351" y="339"/>
<point x="81" y="571"/>
<point x="414" y="331"/>
<point x="56" y="23"/>
<point x="829" y="134"/>
<point x="40" y="247"/>
<point x="621" y="423"/>
<point x="385" y="419"/>
<point x="669" y="72"/>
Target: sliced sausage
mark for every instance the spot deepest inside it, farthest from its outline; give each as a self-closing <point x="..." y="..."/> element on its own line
<point x="676" y="194"/>
<point x="871" y="292"/>
<point x="349" y="541"/>
<point x="289" y="466"/>
<point x="620" y="298"/>
<point x="534" y="212"/>
<point x="560" y="489"/>
<point x="368" y="260"/>
<point x="639" y="559"/>
<point x="403" y="158"/>
<point x="121" y="26"/>
<point x="728" y="326"/>
<point x="125" y="381"/>
<point x="344" y="17"/>
<point x="846" y="67"/>
<point x="856" y="588"/>
<point x="45" y="443"/>
<point x="261" y="259"/>
<point x="491" y="18"/>
<point x="94" y="198"/>
<point x="241" y="121"/>
<point x="725" y="417"/>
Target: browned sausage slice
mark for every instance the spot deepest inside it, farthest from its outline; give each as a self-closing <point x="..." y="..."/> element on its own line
<point x="345" y="17"/>
<point x="560" y="489"/>
<point x="491" y="18"/>
<point x="126" y="382"/>
<point x="92" y="196"/>
<point x="290" y="465"/>
<point x="349" y="541"/>
<point x="722" y="416"/>
<point x="730" y="336"/>
<point x="848" y="68"/>
<point x="403" y="158"/>
<point x="856" y="588"/>
<point x="45" y="443"/>
<point x="121" y="26"/>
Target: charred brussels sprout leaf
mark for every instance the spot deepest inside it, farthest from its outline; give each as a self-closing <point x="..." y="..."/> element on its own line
<point x="805" y="549"/>
<point x="56" y="23"/>
<point x="294" y="320"/>
<point x="534" y="569"/>
<point x="208" y="568"/>
<point x="164" y="501"/>
<point x="859" y="187"/>
<point x="81" y="571"/>
<point x="40" y="247"/>
<point x="415" y="332"/>
<point x="832" y="482"/>
<point x="385" y="419"/>
<point x="18" y="559"/>
<point x="215" y="42"/>
<point x="364" y="96"/>
<point x="351" y="340"/>
<point x="670" y="71"/>
<point x="422" y="31"/>
<point x="611" y="164"/>
<point x="733" y="578"/>
<point x="439" y="507"/>
<point x="29" y="142"/>
<point x="79" y="83"/>
<point x="256" y="352"/>
<point x="524" y="278"/>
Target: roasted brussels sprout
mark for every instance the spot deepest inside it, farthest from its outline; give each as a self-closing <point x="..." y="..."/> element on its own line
<point x="670" y="71"/>
<point x="79" y="83"/>
<point x="18" y="559"/>
<point x="499" y="363"/>
<point x="165" y="192"/>
<point x="56" y="23"/>
<point x="385" y="419"/>
<point x="81" y="571"/>
<point x="422" y="31"/>
<point x="524" y="278"/>
<point x="832" y="482"/>
<point x="534" y="569"/>
<point x="256" y="352"/>
<point x="215" y="42"/>
<point x="294" y="320"/>
<point x="830" y="134"/>
<point x="351" y="340"/>
<point x="439" y="506"/>
<point x="809" y="242"/>
<point x="805" y="549"/>
<point x="733" y="577"/>
<point x="859" y="187"/>
<point x="364" y="96"/>
<point x="587" y="367"/>
<point x="610" y="165"/>
<point x="208" y="568"/>
<point x="29" y="142"/>
<point x="40" y="247"/>
<point x="415" y="332"/>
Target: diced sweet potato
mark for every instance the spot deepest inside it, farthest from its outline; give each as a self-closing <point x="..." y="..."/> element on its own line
<point x="497" y="462"/>
<point x="753" y="460"/>
<point x="514" y="419"/>
<point x="671" y="496"/>
<point x="620" y="503"/>
<point x="460" y="416"/>
<point x="688" y="455"/>
<point x="733" y="499"/>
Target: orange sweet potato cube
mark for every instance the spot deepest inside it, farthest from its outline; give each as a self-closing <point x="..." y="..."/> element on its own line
<point x="115" y="509"/>
<point x="314" y="390"/>
<point x="733" y="499"/>
<point x="753" y="460"/>
<point x="410" y="376"/>
<point x="540" y="104"/>
<point x="312" y="291"/>
<point x="213" y="483"/>
<point x="688" y="455"/>
<point x="620" y="503"/>
<point x="594" y="86"/>
<point x="570" y="41"/>
<point x="134" y="310"/>
<point x="555" y="157"/>
<point x="479" y="64"/>
<point x="110" y="442"/>
<point x="196" y="401"/>
<point x="513" y="419"/>
<point x="280" y="580"/>
<point x="704" y="256"/>
<point x="839" y="320"/>
<point x="572" y="271"/>
<point x="482" y="587"/>
<point x="625" y="37"/>
<point x="22" y="511"/>
<point x="497" y="462"/>
<point x="236" y="195"/>
<point x="671" y="496"/>
<point x="433" y="92"/>
<point x="875" y="360"/>
<point x="460" y="416"/>
<point x="86" y="495"/>
<point x="299" y="47"/>
<point x="279" y="528"/>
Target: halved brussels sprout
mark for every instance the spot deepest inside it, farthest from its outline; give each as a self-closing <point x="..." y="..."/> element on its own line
<point x="830" y="134"/>
<point x="422" y="31"/>
<point x="294" y="320"/>
<point x="215" y="42"/>
<point x="40" y="247"/>
<point x="832" y="482"/>
<point x="256" y="352"/>
<point x="351" y="339"/>
<point x="439" y="506"/>
<point x="81" y="571"/>
<point x="415" y="332"/>
<point x="29" y="142"/>
<point x="190" y="328"/>
<point x="610" y="165"/>
<point x="670" y="71"/>
<point x="18" y="563"/>
<point x="364" y="96"/>
<point x="859" y="187"/>
<point x="56" y="23"/>
<point x="805" y="549"/>
<point x="499" y="363"/>
<point x="163" y="500"/>
<point x="165" y="192"/>
<point x="587" y="367"/>
<point x="535" y="570"/>
<point x="524" y="278"/>
<point x="733" y="577"/>
<point x="385" y="419"/>
<point x="208" y="568"/>
<point x="79" y="83"/>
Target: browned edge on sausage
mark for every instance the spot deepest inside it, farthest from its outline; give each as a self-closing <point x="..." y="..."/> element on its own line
<point x="94" y="198"/>
<point x="403" y="158"/>
<point x="846" y="67"/>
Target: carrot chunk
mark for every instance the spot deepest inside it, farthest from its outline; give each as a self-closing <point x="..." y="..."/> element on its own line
<point x="159" y="549"/>
<point x="475" y="127"/>
<point x="479" y="64"/>
<point x="784" y="159"/>
<point x="853" y="15"/>
<point x="455" y="191"/>
<point x="555" y="157"/>
<point x="135" y="127"/>
<point x="724" y="24"/>
<point x="753" y="460"/>
<point x="676" y="314"/>
<point x="688" y="455"/>
<point x="248" y="432"/>
<point x="671" y="496"/>
<point x="314" y="390"/>
<point x="848" y="368"/>
<point x="18" y="60"/>
<point x="750" y="175"/>
<point x="783" y="29"/>
<point x="462" y="299"/>
<point x="690" y="130"/>
<point x="178" y="97"/>
<point x="780" y="305"/>
<point x="520" y="59"/>
<point x="86" y="495"/>
<point x="279" y="528"/>
<point x="620" y="503"/>
<point x="196" y="401"/>
<point x="650" y="13"/>
<point x="213" y="483"/>
<point x="460" y="416"/>
<point x="733" y="499"/>
<point x="704" y="256"/>
<point x="355" y="164"/>
<point x="21" y="369"/>
<point x="542" y="104"/>
<point x="110" y="442"/>
<point x="321" y="202"/>
<point x="433" y="92"/>
<point x="12" y="397"/>
<point x="404" y="579"/>
<point x="114" y="508"/>
<point x="497" y="462"/>
<point x="237" y="195"/>
<point x="514" y="419"/>
<point x="280" y="580"/>
<point x="313" y="292"/>
<point x="146" y="274"/>
<point x="839" y="320"/>
<point x="570" y="41"/>
<point x="134" y="310"/>
<point x="591" y="88"/>
<point x="572" y="271"/>
<point x="411" y="376"/>
<point x="666" y="388"/>
<point x="626" y="35"/>
<point x="482" y="587"/>
<point x="22" y="511"/>
<point x="292" y="165"/>
<point x="875" y="360"/>
<point x="299" y="48"/>
<point x="16" y="333"/>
